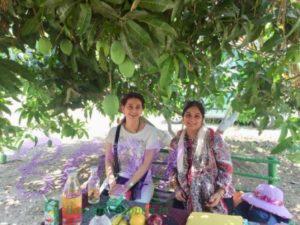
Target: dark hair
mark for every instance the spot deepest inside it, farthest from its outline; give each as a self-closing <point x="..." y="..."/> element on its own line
<point x="190" y="104"/>
<point x="133" y="95"/>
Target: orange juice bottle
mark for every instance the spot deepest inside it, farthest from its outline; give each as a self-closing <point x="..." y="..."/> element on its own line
<point x="71" y="200"/>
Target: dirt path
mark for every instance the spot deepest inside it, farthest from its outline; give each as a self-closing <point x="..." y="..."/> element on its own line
<point x="15" y="210"/>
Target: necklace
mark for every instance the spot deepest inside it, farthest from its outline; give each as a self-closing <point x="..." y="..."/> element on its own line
<point x="135" y="131"/>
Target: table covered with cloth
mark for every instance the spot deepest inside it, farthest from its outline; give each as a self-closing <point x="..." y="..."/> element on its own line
<point x="171" y="216"/>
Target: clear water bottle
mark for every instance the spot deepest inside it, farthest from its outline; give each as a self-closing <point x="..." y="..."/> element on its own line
<point x="72" y="200"/>
<point x="93" y="187"/>
<point x="100" y="218"/>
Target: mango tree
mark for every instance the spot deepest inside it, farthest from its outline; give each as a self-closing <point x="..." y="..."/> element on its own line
<point x="63" y="54"/>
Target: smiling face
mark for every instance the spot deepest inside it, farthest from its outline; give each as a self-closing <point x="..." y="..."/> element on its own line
<point x="132" y="109"/>
<point x="192" y="118"/>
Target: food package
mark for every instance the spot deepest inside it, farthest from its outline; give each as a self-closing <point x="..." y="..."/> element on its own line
<point x="197" y="218"/>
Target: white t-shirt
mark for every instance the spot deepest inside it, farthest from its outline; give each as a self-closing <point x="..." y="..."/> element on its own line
<point x="132" y="147"/>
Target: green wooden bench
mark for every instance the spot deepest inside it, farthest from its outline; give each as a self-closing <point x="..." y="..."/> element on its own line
<point x="163" y="195"/>
<point x="271" y="162"/>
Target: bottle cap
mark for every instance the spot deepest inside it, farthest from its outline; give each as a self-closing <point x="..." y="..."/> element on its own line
<point x="100" y="211"/>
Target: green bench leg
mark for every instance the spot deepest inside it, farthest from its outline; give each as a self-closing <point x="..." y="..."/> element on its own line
<point x="272" y="170"/>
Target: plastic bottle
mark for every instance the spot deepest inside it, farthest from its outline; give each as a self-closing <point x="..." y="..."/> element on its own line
<point x="72" y="200"/>
<point x="100" y="218"/>
<point x="93" y="187"/>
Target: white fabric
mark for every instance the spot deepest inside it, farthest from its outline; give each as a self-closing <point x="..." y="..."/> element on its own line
<point x="146" y="193"/>
<point x="200" y="145"/>
<point x="132" y="148"/>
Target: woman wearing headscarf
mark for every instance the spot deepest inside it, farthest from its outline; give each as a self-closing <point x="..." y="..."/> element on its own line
<point x="200" y="164"/>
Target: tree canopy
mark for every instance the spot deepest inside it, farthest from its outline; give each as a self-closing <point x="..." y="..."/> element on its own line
<point x="64" y="54"/>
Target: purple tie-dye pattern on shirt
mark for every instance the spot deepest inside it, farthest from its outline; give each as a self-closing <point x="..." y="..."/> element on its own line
<point x="129" y="156"/>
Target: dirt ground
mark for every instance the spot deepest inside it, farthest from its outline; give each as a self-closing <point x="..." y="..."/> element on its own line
<point x="288" y="172"/>
<point x="15" y="210"/>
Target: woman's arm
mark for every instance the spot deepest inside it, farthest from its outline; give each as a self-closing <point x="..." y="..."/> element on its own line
<point x="109" y="165"/>
<point x="224" y="163"/>
<point x="225" y="170"/>
<point x="149" y="155"/>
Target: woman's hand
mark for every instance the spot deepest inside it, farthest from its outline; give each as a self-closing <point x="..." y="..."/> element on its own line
<point x="180" y="195"/>
<point x="215" y="198"/>
<point x="117" y="190"/>
<point x="111" y="180"/>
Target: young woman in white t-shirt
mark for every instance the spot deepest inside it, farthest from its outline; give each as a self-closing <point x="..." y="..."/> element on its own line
<point x="136" y="147"/>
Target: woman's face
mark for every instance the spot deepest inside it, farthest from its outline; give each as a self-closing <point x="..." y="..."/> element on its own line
<point x="192" y="118"/>
<point x="133" y="108"/>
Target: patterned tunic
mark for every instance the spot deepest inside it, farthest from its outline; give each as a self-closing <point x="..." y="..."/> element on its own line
<point x="205" y="174"/>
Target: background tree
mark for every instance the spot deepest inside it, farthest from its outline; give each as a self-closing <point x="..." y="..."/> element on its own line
<point x="63" y="54"/>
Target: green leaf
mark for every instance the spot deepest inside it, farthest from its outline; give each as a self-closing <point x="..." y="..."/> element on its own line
<point x="52" y="3"/>
<point x="104" y="9"/>
<point x="127" y="68"/>
<point x="84" y="19"/>
<point x="283" y="145"/>
<point x="102" y="61"/>
<point x="44" y="45"/>
<point x="68" y="131"/>
<point x="293" y="54"/>
<point x="126" y="45"/>
<point x="9" y="79"/>
<point x="162" y="59"/>
<point x="166" y="74"/>
<point x="4" y="108"/>
<point x="234" y="33"/>
<point x="272" y="42"/>
<point x="294" y="157"/>
<point x="137" y="14"/>
<point x="295" y="27"/>
<point x="183" y="59"/>
<point x="103" y="44"/>
<point x="31" y="25"/>
<point x="298" y="99"/>
<point x="116" y="2"/>
<point x="64" y="10"/>
<point x="139" y="33"/>
<point x="91" y="36"/>
<point x="160" y="25"/>
<point x="216" y="52"/>
<point x="117" y="52"/>
<point x="177" y="9"/>
<point x="110" y="105"/>
<point x="74" y="65"/>
<point x="15" y="67"/>
<point x="176" y="67"/>
<point x="66" y="46"/>
<point x="156" y="5"/>
<point x="283" y="133"/>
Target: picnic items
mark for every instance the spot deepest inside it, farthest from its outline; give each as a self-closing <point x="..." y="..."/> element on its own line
<point x="100" y="218"/>
<point x="51" y="212"/>
<point x="93" y="187"/>
<point x="196" y="218"/>
<point x="71" y="200"/>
